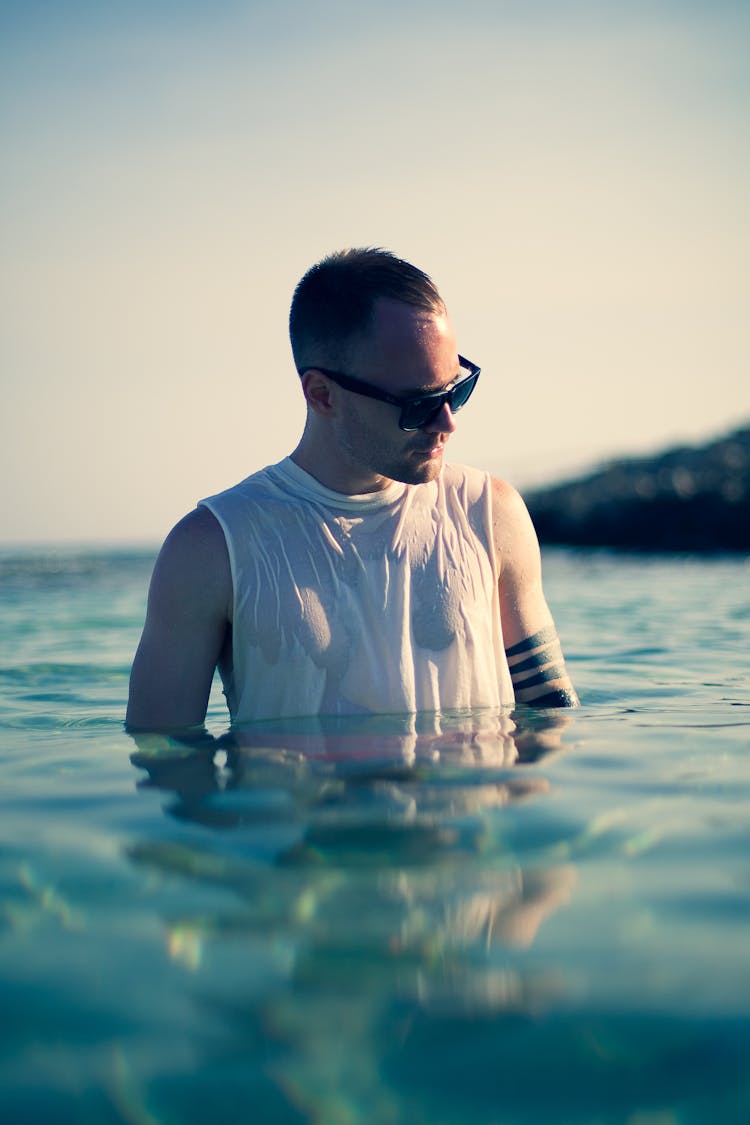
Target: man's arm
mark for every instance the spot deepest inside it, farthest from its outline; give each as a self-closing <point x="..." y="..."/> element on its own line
<point x="187" y="623"/>
<point x="535" y="658"/>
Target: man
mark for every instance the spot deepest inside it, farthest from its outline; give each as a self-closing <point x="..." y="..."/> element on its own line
<point x="360" y="575"/>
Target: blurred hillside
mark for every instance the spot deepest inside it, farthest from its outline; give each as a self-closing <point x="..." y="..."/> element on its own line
<point x="690" y="498"/>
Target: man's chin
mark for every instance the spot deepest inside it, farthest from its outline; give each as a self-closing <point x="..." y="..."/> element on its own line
<point x="421" y="472"/>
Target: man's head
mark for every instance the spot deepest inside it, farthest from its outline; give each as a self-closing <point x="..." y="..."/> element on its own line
<point x="370" y="333"/>
<point x="334" y="303"/>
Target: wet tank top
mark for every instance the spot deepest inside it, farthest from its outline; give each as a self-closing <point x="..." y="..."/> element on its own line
<point x="384" y="603"/>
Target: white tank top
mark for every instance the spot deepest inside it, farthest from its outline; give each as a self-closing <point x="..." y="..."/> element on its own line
<point x="384" y="603"/>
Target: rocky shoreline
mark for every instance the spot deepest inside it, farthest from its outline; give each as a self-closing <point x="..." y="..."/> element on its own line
<point x="692" y="498"/>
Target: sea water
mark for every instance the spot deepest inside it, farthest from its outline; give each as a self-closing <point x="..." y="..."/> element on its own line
<point x="472" y="918"/>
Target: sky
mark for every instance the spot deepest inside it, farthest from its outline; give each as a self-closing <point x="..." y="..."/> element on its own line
<point x="574" y="176"/>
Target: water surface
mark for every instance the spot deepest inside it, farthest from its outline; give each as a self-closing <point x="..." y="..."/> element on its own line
<point x="474" y="918"/>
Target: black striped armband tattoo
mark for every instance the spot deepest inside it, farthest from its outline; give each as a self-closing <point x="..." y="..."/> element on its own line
<point x="535" y="664"/>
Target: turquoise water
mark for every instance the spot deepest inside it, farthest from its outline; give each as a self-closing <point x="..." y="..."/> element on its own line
<point x="465" y="922"/>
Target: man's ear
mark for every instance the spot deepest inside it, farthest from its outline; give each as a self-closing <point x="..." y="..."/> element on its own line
<point x="317" y="391"/>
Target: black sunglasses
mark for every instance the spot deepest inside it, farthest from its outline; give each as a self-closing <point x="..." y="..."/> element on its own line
<point x="416" y="410"/>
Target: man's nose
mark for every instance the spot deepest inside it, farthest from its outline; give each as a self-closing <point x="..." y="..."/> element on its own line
<point x="442" y="423"/>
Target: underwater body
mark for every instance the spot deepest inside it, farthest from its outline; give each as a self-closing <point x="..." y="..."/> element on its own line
<point x="467" y="917"/>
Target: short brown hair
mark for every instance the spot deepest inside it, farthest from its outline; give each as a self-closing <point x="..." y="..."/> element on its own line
<point x="333" y="303"/>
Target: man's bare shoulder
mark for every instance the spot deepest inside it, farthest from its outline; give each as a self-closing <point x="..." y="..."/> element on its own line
<point x="504" y="495"/>
<point x="198" y="530"/>
<point x="511" y="523"/>
<point x="189" y="610"/>
<point x="194" y="559"/>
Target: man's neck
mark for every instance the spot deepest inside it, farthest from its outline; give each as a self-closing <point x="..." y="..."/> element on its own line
<point x="338" y="476"/>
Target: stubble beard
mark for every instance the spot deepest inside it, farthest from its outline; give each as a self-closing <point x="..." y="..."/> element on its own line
<point x="403" y="466"/>
<point x="384" y="458"/>
<point x="420" y="473"/>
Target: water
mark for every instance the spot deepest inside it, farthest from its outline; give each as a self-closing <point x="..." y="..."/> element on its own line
<point x="463" y="923"/>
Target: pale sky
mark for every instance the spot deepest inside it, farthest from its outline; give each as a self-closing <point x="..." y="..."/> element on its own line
<point x="574" y="176"/>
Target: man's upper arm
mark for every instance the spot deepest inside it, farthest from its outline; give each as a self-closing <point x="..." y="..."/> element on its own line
<point x="189" y="605"/>
<point x="532" y="647"/>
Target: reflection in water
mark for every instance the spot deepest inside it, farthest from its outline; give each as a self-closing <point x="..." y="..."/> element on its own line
<point x="370" y="869"/>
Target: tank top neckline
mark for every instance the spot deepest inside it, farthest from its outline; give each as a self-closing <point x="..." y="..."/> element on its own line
<point x="306" y="485"/>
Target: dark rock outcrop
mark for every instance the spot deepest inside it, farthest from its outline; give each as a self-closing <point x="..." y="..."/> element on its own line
<point x="685" y="499"/>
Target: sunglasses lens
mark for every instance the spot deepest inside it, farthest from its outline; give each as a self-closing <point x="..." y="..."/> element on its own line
<point x="417" y="415"/>
<point x="421" y="413"/>
<point x="461" y="394"/>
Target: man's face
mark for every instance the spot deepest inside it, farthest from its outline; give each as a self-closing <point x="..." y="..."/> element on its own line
<point x="407" y="352"/>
